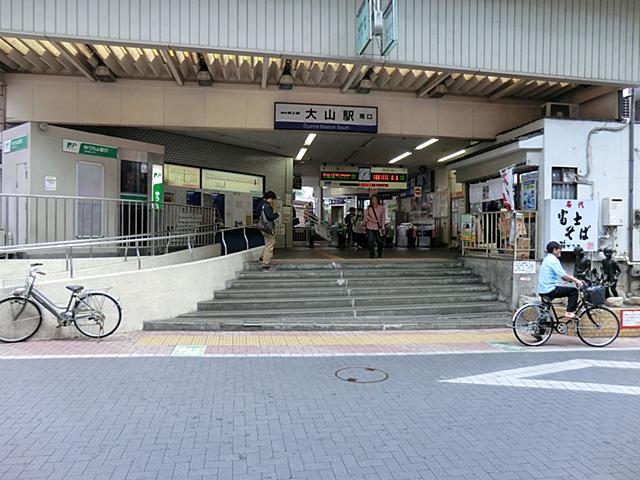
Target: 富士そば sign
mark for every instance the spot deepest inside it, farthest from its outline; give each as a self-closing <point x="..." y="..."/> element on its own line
<point x="573" y="223"/>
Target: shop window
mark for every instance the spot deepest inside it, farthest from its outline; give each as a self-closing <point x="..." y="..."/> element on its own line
<point x="133" y="177"/>
<point x="564" y="183"/>
<point x="194" y="198"/>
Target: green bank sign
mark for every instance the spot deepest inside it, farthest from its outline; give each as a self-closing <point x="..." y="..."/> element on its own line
<point x="15" y="144"/>
<point x="74" y="146"/>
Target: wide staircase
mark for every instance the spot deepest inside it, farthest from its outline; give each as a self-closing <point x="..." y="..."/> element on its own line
<point x="361" y="295"/>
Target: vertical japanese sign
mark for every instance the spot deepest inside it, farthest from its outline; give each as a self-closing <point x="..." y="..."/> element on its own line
<point x="157" y="187"/>
<point x="506" y="178"/>
<point x="573" y="223"/>
<point x="363" y="26"/>
<point x="390" y="27"/>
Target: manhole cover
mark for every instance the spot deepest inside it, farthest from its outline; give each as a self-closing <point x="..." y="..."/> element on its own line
<point x="362" y="375"/>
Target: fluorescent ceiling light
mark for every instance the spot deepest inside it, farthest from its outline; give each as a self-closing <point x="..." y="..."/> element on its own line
<point x="426" y="144"/>
<point x="453" y="155"/>
<point x="310" y="138"/>
<point x="301" y="154"/>
<point x="400" y="157"/>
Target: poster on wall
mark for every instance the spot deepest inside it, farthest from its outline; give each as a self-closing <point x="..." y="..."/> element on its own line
<point x="467" y="228"/>
<point x="181" y="176"/>
<point x="232" y="182"/>
<point x="528" y="190"/>
<point x="457" y="209"/>
<point x="485" y="191"/>
<point x="573" y="223"/>
<point x="441" y="204"/>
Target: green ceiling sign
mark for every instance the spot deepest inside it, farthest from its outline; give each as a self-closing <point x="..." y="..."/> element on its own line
<point x="74" y="146"/>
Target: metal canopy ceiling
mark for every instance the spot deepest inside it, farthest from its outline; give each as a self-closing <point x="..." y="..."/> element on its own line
<point x="39" y="56"/>
<point x="335" y="148"/>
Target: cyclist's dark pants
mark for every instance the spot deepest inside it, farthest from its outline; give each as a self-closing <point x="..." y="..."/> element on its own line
<point x="564" y="292"/>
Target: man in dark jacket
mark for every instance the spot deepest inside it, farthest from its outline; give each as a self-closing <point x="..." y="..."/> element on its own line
<point x="348" y="223"/>
<point x="270" y="216"/>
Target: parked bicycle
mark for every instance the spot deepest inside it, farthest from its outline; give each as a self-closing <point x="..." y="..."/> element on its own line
<point x="95" y="313"/>
<point x="596" y="325"/>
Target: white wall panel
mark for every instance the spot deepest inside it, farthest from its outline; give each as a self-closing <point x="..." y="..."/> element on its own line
<point x="597" y="40"/>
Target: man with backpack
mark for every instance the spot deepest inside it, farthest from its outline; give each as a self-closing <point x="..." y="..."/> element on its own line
<point x="267" y="228"/>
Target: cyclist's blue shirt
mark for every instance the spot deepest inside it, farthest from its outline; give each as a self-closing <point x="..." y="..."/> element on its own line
<point x="550" y="272"/>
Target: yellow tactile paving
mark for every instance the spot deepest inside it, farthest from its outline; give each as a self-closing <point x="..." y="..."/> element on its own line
<point x="302" y="340"/>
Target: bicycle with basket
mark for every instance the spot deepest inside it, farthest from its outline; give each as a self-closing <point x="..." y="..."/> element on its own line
<point x="596" y="325"/>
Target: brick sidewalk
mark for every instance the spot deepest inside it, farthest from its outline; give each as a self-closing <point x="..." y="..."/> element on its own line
<point x="294" y="343"/>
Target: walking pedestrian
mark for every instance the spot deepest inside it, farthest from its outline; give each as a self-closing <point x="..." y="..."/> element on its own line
<point x="358" y="229"/>
<point x="267" y="228"/>
<point x="348" y="223"/>
<point x="374" y="222"/>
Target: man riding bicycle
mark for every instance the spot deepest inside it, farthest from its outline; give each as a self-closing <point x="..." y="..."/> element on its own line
<point x="551" y="272"/>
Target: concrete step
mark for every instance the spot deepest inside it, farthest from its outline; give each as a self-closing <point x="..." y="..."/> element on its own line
<point x="359" y="265"/>
<point x="369" y="310"/>
<point x="303" y="303"/>
<point x="497" y="319"/>
<point x="335" y="291"/>
<point x="361" y="273"/>
<point x="376" y="281"/>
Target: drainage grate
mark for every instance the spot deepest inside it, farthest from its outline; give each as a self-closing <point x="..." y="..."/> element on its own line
<point x="362" y="375"/>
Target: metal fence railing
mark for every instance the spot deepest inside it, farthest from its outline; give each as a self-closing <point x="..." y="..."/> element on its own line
<point x="505" y="234"/>
<point x="231" y="240"/>
<point x="36" y="219"/>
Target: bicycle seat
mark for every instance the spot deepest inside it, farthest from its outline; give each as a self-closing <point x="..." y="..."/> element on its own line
<point x="546" y="300"/>
<point x="75" y="288"/>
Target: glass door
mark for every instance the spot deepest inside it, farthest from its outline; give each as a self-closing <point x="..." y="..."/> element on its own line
<point x="134" y="191"/>
<point x="89" y="210"/>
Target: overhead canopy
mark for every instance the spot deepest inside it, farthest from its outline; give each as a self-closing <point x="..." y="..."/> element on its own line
<point x="49" y="57"/>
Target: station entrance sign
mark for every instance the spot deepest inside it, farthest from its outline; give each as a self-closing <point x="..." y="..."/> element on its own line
<point x="383" y="178"/>
<point x="332" y="118"/>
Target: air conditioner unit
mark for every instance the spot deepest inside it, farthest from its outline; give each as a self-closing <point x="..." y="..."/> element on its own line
<point x="560" y="110"/>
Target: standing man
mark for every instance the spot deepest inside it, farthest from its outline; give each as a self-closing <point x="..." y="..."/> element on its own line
<point x="374" y="219"/>
<point x="267" y="228"/>
<point x="551" y="272"/>
<point x="348" y="222"/>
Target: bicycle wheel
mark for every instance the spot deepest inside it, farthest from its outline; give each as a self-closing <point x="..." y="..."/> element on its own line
<point x="598" y="326"/>
<point x="19" y="319"/>
<point x="97" y="315"/>
<point x="532" y="325"/>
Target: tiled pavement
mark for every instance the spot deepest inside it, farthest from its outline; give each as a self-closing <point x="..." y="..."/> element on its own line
<point x="296" y="343"/>
<point x="257" y="408"/>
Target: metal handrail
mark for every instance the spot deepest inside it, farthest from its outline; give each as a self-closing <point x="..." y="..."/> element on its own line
<point x="163" y="235"/>
<point x="41" y="219"/>
<point x="108" y="199"/>
<point x="122" y="242"/>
